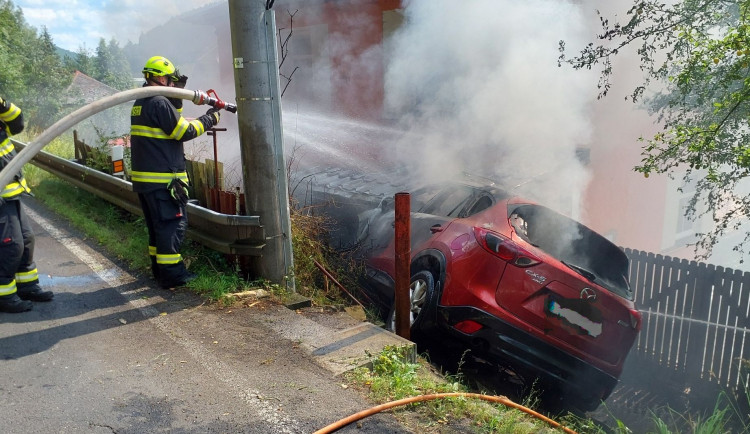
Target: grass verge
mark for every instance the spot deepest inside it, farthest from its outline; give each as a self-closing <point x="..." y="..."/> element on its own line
<point x="393" y="377"/>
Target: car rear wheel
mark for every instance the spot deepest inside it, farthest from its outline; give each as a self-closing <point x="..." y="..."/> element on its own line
<point x="421" y="303"/>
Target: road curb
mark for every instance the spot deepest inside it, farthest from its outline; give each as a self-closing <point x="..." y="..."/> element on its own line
<point x="337" y="350"/>
<point x="358" y="346"/>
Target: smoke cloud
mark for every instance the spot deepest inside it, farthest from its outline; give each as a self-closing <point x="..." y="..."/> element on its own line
<point x="479" y="81"/>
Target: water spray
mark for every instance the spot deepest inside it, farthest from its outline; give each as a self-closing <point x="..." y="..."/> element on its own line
<point x="26" y="154"/>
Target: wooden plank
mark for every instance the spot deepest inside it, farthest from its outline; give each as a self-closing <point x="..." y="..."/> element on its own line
<point x="634" y="274"/>
<point x="672" y="332"/>
<point x="197" y="174"/>
<point x="211" y="168"/>
<point x="648" y="289"/>
<point x="227" y="202"/>
<point x="80" y="149"/>
<point x="699" y="310"/>
<point x="221" y="176"/>
<point x="724" y="317"/>
<point x="743" y="299"/>
<point x="681" y="306"/>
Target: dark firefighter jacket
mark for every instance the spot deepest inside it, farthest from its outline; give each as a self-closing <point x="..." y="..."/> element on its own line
<point x="157" y="131"/>
<point x="11" y="122"/>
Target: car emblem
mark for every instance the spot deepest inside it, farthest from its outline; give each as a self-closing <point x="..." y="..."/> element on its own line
<point x="538" y="278"/>
<point x="588" y="294"/>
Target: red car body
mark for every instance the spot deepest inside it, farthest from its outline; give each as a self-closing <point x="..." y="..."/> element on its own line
<point x="514" y="280"/>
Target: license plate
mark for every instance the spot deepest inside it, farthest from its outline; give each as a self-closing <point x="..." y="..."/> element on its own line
<point x="574" y="318"/>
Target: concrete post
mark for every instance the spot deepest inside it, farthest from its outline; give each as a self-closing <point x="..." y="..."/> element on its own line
<point x="255" y="60"/>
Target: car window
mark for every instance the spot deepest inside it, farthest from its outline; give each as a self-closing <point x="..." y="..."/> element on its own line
<point x="574" y="244"/>
<point x="454" y="200"/>
<point x="421" y="196"/>
<point x="449" y="202"/>
<point x="480" y="204"/>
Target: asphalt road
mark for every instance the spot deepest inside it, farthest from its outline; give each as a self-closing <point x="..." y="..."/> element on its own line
<point x="112" y="353"/>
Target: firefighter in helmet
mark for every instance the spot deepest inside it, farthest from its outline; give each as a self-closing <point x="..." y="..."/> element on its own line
<point x="157" y="131"/>
<point x="19" y="281"/>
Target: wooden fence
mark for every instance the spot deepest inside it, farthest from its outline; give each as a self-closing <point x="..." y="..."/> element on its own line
<point x="696" y="318"/>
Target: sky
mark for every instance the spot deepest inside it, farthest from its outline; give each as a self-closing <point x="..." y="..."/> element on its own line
<point x="76" y="23"/>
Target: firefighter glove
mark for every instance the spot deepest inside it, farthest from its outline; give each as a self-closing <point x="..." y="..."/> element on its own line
<point x="178" y="192"/>
<point x="181" y="81"/>
<point x="214" y="112"/>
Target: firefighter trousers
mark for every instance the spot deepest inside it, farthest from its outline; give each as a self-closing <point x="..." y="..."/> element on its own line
<point x="17" y="267"/>
<point x="167" y="223"/>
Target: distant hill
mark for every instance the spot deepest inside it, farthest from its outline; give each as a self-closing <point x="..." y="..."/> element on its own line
<point x="64" y="54"/>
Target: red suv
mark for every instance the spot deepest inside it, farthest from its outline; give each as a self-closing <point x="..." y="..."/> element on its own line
<point x="514" y="280"/>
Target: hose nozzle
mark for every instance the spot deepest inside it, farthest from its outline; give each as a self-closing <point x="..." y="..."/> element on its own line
<point x="201" y="98"/>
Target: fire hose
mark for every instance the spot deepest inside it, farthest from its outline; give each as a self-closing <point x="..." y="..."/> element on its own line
<point x="198" y="97"/>
<point x="378" y="408"/>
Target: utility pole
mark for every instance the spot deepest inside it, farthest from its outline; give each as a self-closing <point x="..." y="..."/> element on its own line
<point x="256" y="80"/>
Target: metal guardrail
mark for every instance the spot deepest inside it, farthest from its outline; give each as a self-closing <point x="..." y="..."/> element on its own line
<point x="230" y="234"/>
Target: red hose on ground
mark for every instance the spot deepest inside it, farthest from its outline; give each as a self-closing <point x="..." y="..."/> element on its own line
<point x="378" y="408"/>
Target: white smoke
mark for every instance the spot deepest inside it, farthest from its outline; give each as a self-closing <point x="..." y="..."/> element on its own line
<point x="479" y="80"/>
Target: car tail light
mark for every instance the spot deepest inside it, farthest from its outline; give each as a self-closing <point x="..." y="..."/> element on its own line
<point x="468" y="326"/>
<point x="504" y="248"/>
<point x="635" y="319"/>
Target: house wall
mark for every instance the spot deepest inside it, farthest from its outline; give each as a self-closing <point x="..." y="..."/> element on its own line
<point x="345" y="47"/>
<point x="620" y="203"/>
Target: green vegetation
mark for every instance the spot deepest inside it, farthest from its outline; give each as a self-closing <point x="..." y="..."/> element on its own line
<point x="727" y="416"/>
<point x="35" y="77"/>
<point x="393" y="377"/>
<point x="123" y="236"/>
<point x="311" y="253"/>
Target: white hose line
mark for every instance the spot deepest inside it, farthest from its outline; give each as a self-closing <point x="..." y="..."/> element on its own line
<point x="59" y="127"/>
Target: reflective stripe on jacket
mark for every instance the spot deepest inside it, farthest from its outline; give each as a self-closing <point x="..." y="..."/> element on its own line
<point x="10" y="114"/>
<point x="157" y="178"/>
<point x="11" y="119"/>
<point x="157" y="134"/>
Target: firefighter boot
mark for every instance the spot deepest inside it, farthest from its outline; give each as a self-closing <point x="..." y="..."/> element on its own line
<point x="189" y="277"/>
<point x="13" y="304"/>
<point x="34" y="293"/>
